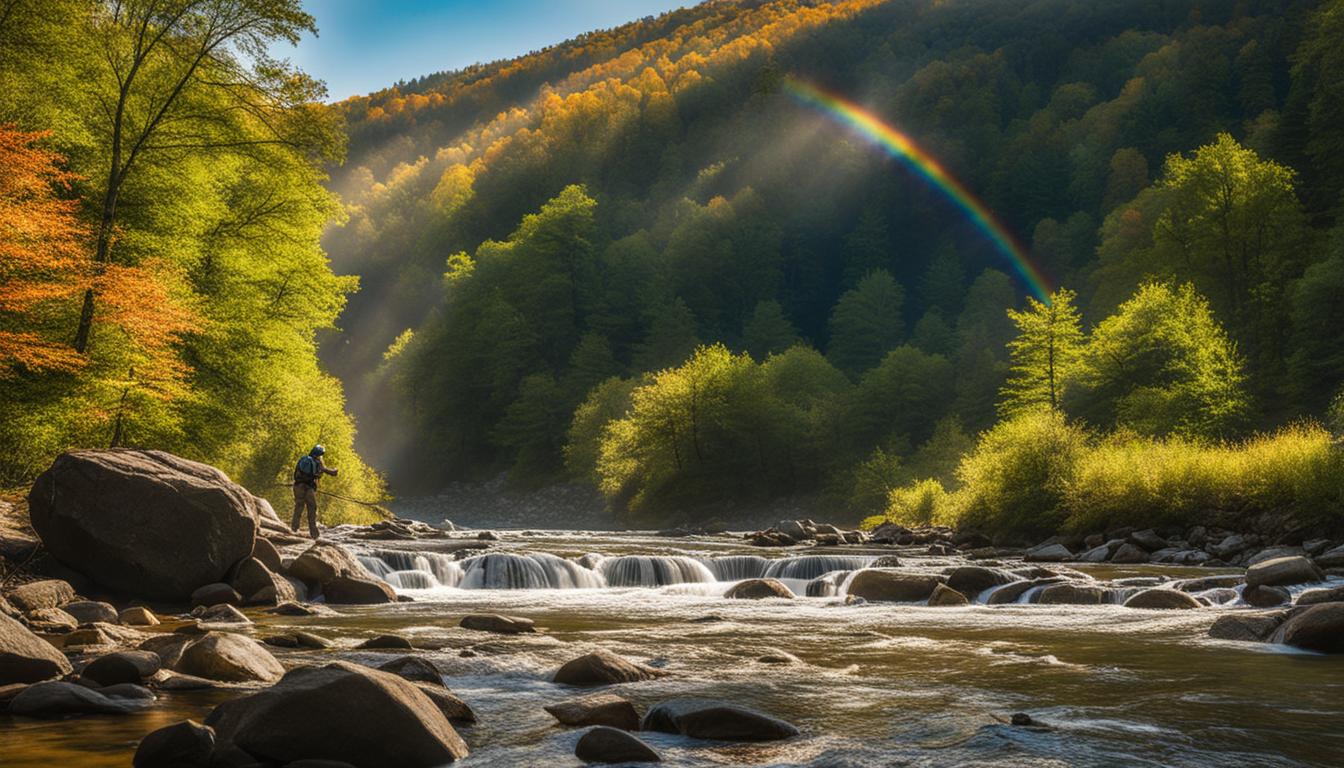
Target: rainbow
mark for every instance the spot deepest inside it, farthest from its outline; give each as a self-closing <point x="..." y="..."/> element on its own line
<point x="902" y="147"/>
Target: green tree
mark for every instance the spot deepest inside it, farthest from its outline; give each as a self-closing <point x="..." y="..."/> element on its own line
<point x="671" y="337"/>
<point x="1162" y="365"/>
<point x="866" y="323"/>
<point x="1316" y="365"/>
<point x="768" y="331"/>
<point x="1047" y="347"/>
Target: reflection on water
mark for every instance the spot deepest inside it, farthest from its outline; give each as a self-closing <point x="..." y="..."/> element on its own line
<point x="878" y="684"/>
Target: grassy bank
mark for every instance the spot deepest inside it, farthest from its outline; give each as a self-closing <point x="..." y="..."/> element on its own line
<point x="1038" y="474"/>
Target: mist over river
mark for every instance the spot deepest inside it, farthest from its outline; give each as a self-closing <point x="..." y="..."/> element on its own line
<point x="873" y="684"/>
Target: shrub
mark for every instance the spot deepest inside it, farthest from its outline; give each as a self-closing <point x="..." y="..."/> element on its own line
<point x="921" y="503"/>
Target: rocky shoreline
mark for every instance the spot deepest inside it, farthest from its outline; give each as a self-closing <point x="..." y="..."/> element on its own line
<point x="149" y="566"/>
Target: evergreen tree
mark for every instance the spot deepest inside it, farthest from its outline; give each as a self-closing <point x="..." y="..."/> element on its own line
<point x="866" y="323"/>
<point x="768" y="331"/>
<point x="1047" y="347"/>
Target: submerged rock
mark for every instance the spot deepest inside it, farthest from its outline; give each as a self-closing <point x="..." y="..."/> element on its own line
<point x="892" y="586"/>
<point x="612" y="745"/>
<point x="758" y="589"/>
<point x="25" y="657"/>
<point x="1282" y="571"/>
<point x="598" y="709"/>
<point x="709" y="719"/>
<point x="1162" y="599"/>
<point x="603" y="667"/>
<point x="1246" y="627"/>
<point x="491" y="622"/>
<point x="187" y="743"/>
<point x="144" y="523"/>
<point x="387" y="642"/>
<point x="59" y="699"/>
<point x="1319" y="628"/>
<point x="339" y="711"/>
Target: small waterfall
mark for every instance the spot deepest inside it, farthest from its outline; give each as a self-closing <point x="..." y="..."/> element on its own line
<point x="653" y="571"/>
<point x="413" y="570"/>
<point x="811" y="566"/>
<point x="538" y="570"/>
<point x="737" y="567"/>
<point x="827" y="584"/>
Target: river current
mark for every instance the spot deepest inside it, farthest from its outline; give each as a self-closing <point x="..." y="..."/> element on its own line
<point x="876" y="684"/>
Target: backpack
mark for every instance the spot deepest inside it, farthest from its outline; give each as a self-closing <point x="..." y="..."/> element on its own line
<point x="306" y="471"/>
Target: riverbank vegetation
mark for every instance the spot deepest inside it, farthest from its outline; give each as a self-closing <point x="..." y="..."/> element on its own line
<point x="161" y="201"/>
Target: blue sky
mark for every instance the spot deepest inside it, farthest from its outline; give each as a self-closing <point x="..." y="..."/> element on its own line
<point x="364" y="45"/>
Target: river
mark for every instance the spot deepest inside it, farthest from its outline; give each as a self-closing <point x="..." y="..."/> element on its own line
<point x="876" y="684"/>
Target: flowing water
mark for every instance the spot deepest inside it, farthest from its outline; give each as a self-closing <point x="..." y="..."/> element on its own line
<point x="875" y="685"/>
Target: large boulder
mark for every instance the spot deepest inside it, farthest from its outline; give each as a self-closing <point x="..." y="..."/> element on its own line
<point x="257" y="583"/>
<point x="35" y="595"/>
<point x="59" y="699"/>
<point x="215" y="593"/>
<point x="1128" y="554"/>
<point x="50" y="620"/>
<point x="1315" y="596"/>
<point x="324" y="561"/>
<point x="493" y="622"/>
<point x="598" y="709"/>
<point x="1161" y="599"/>
<point x="758" y="589"/>
<point x="708" y="719"/>
<point x="892" y="586"/>
<point x="415" y="669"/>
<point x="350" y="590"/>
<point x="1318" y="628"/>
<point x="339" y="711"/>
<point x="602" y="668"/>
<point x="229" y="657"/>
<point x="1261" y="596"/>
<point x="1333" y="558"/>
<point x="187" y="743"/>
<point x="140" y="522"/>
<point x="1282" y="572"/>
<point x="456" y="710"/>
<point x="612" y="745"/>
<point x="25" y="657"/>
<point x="265" y="551"/>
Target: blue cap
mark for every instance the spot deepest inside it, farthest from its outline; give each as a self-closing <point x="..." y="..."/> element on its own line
<point x="318" y="450"/>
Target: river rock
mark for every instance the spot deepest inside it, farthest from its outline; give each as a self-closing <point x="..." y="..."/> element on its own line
<point x="265" y="551"/>
<point x="1129" y="554"/>
<point x="220" y="614"/>
<point x="892" y="586"/>
<point x="25" y="657"/>
<point x="1246" y="627"/>
<point x="122" y="667"/>
<point x="1161" y="599"/>
<point x="944" y="595"/>
<point x="709" y="719"/>
<point x="313" y="712"/>
<point x="415" y="669"/>
<point x="758" y="589"/>
<point x="258" y="584"/>
<point x="1048" y="553"/>
<point x="793" y="529"/>
<point x="1283" y="571"/>
<point x="598" y="709"/>
<point x="91" y="611"/>
<point x="59" y="699"/>
<point x="180" y="745"/>
<point x="1148" y="539"/>
<point x="216" y="594"/>
<point x="1319" y="628"/>
<point x="612" y="745"/>
<point x="229" y="657"/>
<point x="1317" y="596"/>
<point x="971" y="580"/>
<point x="350" y="590"/>
<point x="456" y="710"/>
<point x="602" y="667"/>
<point x="493" y="622"/>
<point x="1209" y="582"/>
<point x="49" y="593"/>
<point x="388" y="642"/>
<point x="1265" y="597"/>
<point x="1274" y="553"/>
<point x="324" y="561"/>
<point x="145" y="523"/>
<point x="138" y="616"/>
<point x="1332" y="558"/>
<point x="1072" y="594"/>
<point x="1009" y="593"/>
<point x="50" y="620"/>
<point x="1229" y="546"/>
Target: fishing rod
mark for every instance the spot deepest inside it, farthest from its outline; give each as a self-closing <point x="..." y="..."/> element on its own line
<point x="384" y="511"/>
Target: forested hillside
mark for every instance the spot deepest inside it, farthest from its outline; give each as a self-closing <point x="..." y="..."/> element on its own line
<point x="161" y="202"/>
<point x="544" y="243"/>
